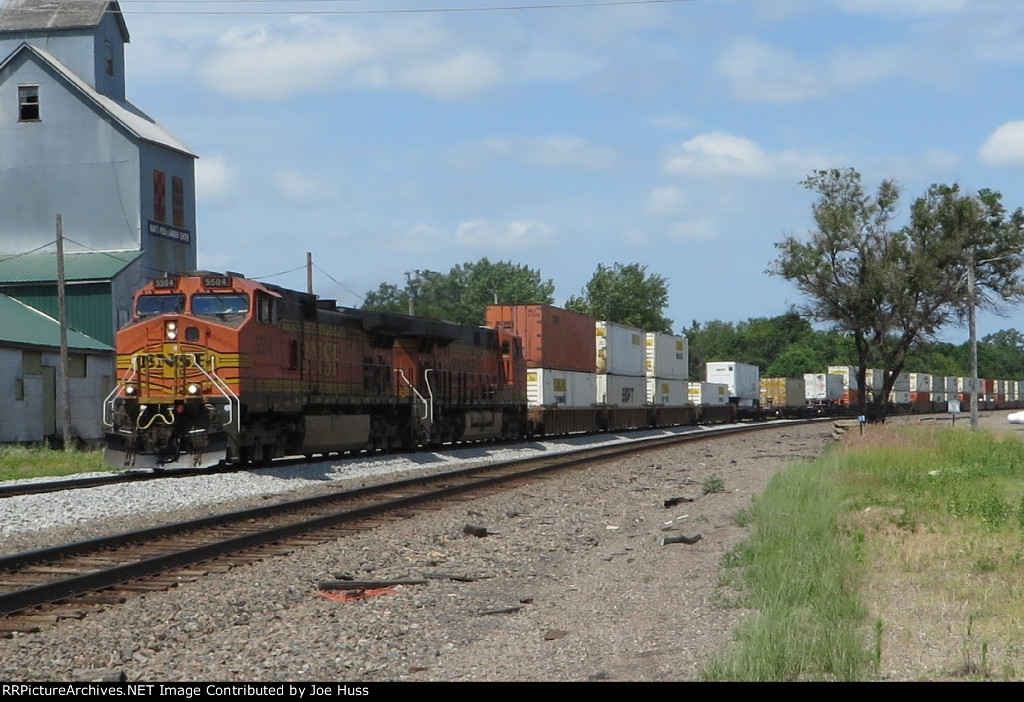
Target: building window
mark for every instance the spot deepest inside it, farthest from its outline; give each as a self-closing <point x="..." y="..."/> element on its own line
<point x="76" y="365"/>
<point x="32" y="362"/>
<point x="159" y="196"/>
<point x="28" y="103"/>
<point x="178" y="201"/>
<point x="109" y="49"/>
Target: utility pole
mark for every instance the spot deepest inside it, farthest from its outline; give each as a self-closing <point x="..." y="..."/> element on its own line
<point x="62" y="318"/>
<point x="972" y="321"/>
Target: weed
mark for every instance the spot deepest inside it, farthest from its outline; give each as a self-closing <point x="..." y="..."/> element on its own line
<point x="713" y="484"/>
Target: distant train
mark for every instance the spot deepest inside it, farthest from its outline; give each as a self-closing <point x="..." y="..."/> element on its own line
<point x="219" y="368"/>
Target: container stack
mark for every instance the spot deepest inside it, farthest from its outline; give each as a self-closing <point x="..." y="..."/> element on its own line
<point x="559" y="359"/>
<point x="667" y="361"/>
<point x="620" y="364"/>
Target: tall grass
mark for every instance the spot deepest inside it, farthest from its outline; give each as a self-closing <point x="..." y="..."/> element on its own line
<point x="939" y="510"/>
<point x="800" y="574"/>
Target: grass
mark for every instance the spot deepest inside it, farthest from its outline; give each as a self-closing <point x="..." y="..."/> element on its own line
<point x="34" y="462"/>
<point x="902" y="540"/>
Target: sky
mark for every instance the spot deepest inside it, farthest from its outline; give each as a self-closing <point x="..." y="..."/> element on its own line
<point x="387" y="136"/>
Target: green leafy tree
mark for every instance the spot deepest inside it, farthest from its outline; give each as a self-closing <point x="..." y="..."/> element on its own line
<point x="625" y="294"/>
<point x="463" y="294"/>
<point x="890" y="288"/>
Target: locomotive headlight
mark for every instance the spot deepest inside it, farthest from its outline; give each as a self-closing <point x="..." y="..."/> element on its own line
<point x="171" y="330"/>
<point x="131" y="389"/>
<point x="193" y="388"/>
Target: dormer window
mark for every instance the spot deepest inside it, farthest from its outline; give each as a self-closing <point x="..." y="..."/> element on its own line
<point x="28" y="103"/>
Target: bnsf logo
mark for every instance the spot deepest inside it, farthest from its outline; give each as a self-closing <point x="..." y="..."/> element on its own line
<point x="173" y="360"/>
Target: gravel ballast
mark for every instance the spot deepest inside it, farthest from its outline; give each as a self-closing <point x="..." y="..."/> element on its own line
<point x="576" y="580"/>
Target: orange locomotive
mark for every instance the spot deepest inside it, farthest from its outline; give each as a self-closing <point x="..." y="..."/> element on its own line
<point x="216" y="367"/>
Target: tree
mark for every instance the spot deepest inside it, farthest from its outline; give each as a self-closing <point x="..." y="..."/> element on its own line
<point x="625" y="294"/>
<point x="889" y="288"/>
<point x="463" y="294"/>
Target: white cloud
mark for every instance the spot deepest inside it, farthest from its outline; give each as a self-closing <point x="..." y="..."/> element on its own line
<point x="215" y="180"/>
<point x="543" y="152"/>
<point x="279" y="61"/>
<point x="1005" y="146"/>
<point x="722" y="155"/>
<point x="760" y="72"/>
<point x="302" y="188"/>
<point x="452" y="76"/>
<point x="508" y="235"/>
<point x="718" y="154"/>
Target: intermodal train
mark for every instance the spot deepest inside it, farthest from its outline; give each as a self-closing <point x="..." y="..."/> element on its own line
<point x="215" y="367"/>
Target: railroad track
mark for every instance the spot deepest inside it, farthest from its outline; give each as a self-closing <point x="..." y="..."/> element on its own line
<point x="42" y="587"/>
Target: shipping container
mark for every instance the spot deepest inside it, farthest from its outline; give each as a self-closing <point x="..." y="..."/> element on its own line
<point x="621" y="350"/>
<point x="547" y="387"/>
<point x="552" y="337"/>
<point x="621" y="390"/>
<point x="667" y="356"/>
<point x="848" y="374"/>
<point x="823" y="387"/>
<point x="921" y="382"/>
<point x="708" y="393"/>
<point x="667" y="391"/>
<point x="743" y="380"/>
<point x="783" y="392"/>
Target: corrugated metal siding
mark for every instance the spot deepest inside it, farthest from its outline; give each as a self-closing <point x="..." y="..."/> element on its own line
<point x="42" y="268"/>
<point x="89" y="306"/>
<point x="22" y="325"/>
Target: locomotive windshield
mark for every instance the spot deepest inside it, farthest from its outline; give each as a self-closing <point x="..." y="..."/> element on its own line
<point x="152" y="305"/>
<point x="220" y="303"/>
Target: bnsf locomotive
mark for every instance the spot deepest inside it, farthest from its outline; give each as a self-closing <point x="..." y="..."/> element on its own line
<point x="216" y="367"/>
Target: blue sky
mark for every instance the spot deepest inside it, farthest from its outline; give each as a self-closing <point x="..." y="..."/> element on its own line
<point x="670" y="134"/>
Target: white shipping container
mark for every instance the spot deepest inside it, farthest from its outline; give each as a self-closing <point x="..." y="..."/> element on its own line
<point x="873" y="378"/>
<point x="546" y="387"/>
<point x="823" y="387"/>
<point x="667" y="356"/>
<point x="667" y="391"/>
<point x="708" y="394"/>
<point x="963" y="385"/>
<point x="922" y="382"/>
<point x="847" y="373"/>
<point x="621" y="350"/>
<point x="901" y="383"/>
<point x="939" y="397"/>
<point x="621" y="390"/>
<point x="951" y="384"/>
<point x="744" y="380"/>
<point x="900" y="397"/>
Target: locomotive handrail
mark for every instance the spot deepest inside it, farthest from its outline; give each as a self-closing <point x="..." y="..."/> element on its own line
<point x="225" y="390"/>
<point x="427" y="408"/>
<point x="108" y="401"/>
<point x="430" y="391"/>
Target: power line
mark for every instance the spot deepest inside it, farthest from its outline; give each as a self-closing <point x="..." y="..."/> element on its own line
<point x="393" y="11"/>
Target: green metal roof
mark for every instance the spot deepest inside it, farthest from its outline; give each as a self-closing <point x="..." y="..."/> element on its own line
<point x="42" y="267"/>
<point x="21" y="324"/>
